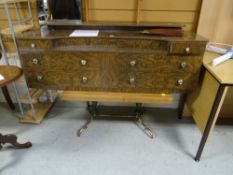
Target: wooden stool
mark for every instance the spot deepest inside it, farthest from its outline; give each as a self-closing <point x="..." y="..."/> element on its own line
<point x="10" y="74"/>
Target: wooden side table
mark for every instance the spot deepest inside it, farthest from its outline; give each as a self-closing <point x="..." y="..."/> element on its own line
<point x="206" y="101"/>
<point x="10" y="74"/>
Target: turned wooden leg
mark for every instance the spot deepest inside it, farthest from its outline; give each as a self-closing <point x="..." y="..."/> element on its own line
<point x="7" y="97"/>
<point x="12" y="139"/>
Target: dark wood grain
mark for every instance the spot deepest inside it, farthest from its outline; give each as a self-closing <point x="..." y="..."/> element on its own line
<point x="108" y="68"/>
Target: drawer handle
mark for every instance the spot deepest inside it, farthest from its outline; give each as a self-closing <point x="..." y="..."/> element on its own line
<point x="84" y="79"/>
<point x="180" y="82"/>
<point x="83" y="62"/>
<point x="132" y="63"/>
<point x="35" y="61"/>
<point x="33" y="45"/>
<point x="132" y="80"/>
<point x="187" y="50"/>
<point x="183" y="64"/>
<point x="39" y="77"/>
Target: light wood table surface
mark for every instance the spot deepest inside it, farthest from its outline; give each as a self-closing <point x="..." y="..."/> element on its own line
<point x="222" y="72"/>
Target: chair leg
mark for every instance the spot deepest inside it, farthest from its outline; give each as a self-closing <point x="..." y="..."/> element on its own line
<point x="12" y="139"/>
<point x="7" y="97"/>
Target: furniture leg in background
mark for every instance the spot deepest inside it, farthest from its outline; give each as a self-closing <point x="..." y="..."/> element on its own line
<point x="12" y="139"/>
<point x="7" y="97"/>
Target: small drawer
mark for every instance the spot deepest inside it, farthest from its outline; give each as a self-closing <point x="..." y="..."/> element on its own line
<point x="156" y="63"/>
<point x="63" y="80"/>
<point x="149" y="82"/>
<point x="69" y="62"/>
<point x="187" y="48"/>
<point x="34" y="44"/>
<point x="48" y="79"/>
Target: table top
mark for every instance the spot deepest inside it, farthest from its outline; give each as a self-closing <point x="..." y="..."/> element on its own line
<point x="107" y="31"/>
<point x="10" y="73"/>
<point x="222" y="72"/>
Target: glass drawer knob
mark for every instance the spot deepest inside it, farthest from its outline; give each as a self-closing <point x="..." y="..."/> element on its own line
<point x="33" y="45"/>
<point x="83" y="62"/>
<point x="39" y="77"/>
<point x="180" y="82"/>
<point x="132" y="63"/>
<point x="183" y="65"/>
<point x="35" y="61"/>
<point x="132" y="80"/>
<point x="187" y="49"/>
<point x="84" y="79"/>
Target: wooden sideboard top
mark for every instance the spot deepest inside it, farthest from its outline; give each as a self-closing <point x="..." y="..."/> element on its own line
<point x="126" y="31"/>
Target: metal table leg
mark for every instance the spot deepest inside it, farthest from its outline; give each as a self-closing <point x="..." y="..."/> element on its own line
<point x="93" y="110"/>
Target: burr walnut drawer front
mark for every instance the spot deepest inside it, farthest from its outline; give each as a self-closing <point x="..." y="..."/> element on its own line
<point x="65" y="61"/>
<point x="63" y="80"/>
<point x="145" y="62"/>
<point x="114" y="43"/>
<point x="72" y="61"/>
<point x="187" y="48"/>
<point x="98" y="81"/>
<point x="157" y="82"/>
<point x="130" y="82"/>
<point x="34" y="44"/>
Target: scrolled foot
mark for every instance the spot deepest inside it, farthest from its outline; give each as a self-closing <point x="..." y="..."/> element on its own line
<point x="85" y="126"/>
<point x="12" y="139"/>
<point x="146" y="129"/>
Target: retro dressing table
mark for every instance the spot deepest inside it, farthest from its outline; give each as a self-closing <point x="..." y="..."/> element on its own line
<point x="122" y="62"/>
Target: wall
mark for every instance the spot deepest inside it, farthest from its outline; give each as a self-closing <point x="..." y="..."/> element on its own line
<point x="185" y="12"/>
<point x="216" y="21"/>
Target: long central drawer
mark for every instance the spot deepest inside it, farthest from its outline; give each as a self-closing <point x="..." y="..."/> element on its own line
<point x="128" y="82"/>
<point x="108" y="43"/>
<point x="73" y="61"/>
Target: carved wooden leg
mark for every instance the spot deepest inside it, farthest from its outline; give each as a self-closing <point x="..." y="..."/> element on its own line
<point x="7" y="97"/>
<point x="12" y="139"/>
